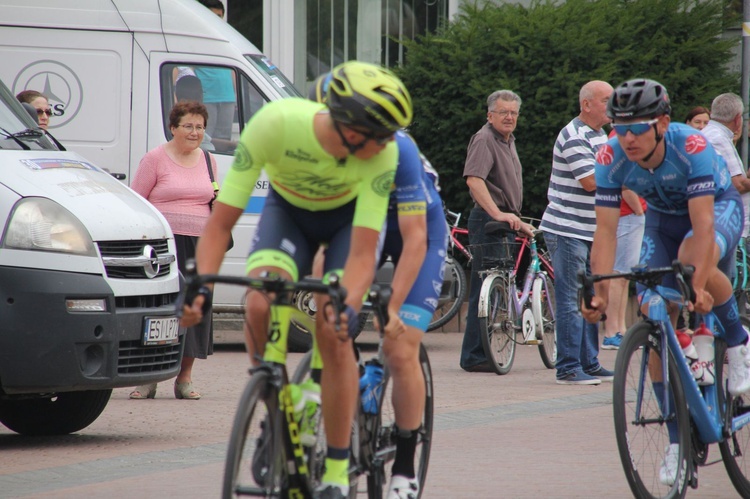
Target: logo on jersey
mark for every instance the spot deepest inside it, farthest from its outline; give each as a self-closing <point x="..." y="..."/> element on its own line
<point x="382" y="185"/>
<point x="695" y="143"/>
<point x="605" y="155"/>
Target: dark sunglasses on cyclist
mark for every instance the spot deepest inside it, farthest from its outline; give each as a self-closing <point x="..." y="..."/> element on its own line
<point x="40" y="112"/>
<point x="379" y="138"/>
<point x="636" y="129"/>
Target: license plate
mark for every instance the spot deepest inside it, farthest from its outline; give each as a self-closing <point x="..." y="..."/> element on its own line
<point x="161" y="331"/>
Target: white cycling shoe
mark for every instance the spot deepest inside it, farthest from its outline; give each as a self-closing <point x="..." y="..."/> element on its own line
<point x="403" y="488"/>
<point x="739" y="369"/>
<point x="668" y="471"/>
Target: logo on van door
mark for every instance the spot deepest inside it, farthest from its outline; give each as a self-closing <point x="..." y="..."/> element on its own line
<point x="59" y="83"/>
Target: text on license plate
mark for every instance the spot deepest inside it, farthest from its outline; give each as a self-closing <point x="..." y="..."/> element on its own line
<point x="161" y="330"/>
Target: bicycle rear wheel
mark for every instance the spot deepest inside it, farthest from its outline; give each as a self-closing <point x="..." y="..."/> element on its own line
<point x="640" y="428"/>
<point x="497" y="327"/>
<point x="379" y="475"/>
<point x="735" y="450"/>
<point x="544" y="297"/>
<point x="256" y="455"/>
<point x="452" y="295"/>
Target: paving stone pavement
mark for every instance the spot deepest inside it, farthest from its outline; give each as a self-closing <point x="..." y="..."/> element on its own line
<point x="513" y="436"/>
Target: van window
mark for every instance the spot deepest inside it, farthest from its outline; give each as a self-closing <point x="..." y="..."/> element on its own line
<point x="230" y="97"/>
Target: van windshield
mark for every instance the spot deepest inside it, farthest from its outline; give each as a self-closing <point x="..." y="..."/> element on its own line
<point x="273" y="75"/>
<point x="17" y="130"/>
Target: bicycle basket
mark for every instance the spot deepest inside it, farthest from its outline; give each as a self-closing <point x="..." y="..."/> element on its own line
<point x="501" y="254"/>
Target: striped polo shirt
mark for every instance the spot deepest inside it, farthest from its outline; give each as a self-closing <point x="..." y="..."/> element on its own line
<point x="570" y="212"/>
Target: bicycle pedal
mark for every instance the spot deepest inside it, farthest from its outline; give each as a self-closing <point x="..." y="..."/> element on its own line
<point x="532" y="342"/>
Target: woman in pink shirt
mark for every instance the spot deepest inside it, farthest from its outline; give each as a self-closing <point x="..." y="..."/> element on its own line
<point x="174" y="178"/>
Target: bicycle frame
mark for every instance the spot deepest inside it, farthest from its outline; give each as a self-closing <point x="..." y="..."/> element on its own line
<point x="455" y="230"/>
<point x="741" y="262"/>
<point x="703" y="406"/>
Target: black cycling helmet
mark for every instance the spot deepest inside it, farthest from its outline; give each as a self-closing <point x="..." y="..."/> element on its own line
<point x="368" y="96"/>
<point x="319" y="88"/>
<point x="639" y="98"/>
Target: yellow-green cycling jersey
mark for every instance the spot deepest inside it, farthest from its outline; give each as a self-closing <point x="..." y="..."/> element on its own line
<point x="280" y="140"/>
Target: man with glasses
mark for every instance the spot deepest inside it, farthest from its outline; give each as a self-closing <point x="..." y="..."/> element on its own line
<point x="493" y="175"/>
<point x="694" y="213"/>
<point x="569" y="223"/>
<point x="331" y="167"/>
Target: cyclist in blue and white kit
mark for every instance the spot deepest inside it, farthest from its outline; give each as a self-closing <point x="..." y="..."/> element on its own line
<point x="415" y="237"/>
<point x="694" y="214"/>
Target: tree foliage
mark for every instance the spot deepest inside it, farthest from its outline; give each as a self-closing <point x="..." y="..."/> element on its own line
<point x="545" y="52"/>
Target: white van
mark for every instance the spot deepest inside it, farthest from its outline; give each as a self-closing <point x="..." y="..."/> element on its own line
<point x="88" y="284"/>
<point x="109" y="68"/>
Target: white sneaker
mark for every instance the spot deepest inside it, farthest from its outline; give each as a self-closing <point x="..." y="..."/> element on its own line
<point x="668" y="471"/>
<point x="739" y="369"/>
<point x="403" y="488"/>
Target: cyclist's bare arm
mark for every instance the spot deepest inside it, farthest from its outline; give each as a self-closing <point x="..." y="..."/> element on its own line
<point x="602" y="259"/>
<point x="210" y="252"/>
<point x="700" y="250"/>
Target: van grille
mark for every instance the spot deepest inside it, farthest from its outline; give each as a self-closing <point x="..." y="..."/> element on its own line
<point x="134" y="358"/>
<point x="145" y="301"/>
<point x="117" y="253"/>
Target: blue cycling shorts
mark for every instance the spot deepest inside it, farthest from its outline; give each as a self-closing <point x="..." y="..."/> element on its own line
<point x="422" y="300"/>
<point x="664" y="233"/>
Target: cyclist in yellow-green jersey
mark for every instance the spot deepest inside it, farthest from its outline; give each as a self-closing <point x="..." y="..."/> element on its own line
<point x="331" y="168"/>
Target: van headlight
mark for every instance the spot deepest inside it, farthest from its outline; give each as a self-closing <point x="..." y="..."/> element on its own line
<point x="43" y="225"/>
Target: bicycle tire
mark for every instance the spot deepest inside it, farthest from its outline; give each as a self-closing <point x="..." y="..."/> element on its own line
<point x="642" y="445"/>
<point x="547" y="338"/>
<point x="452" y="296"/>
<point x="255" y="436"/>
<point x="497" y="328"/>
<point x="735" y="449"/>
<point x="379" y="474"/>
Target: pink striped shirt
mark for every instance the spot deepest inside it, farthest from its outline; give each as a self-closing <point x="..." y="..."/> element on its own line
<point x="180" y="194"/>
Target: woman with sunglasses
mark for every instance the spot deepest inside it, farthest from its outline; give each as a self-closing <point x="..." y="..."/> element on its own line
<point x="694" y="213"/>
<point x="40" y="102"/>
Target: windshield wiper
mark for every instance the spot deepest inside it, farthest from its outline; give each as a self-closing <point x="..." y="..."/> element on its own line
<point x="13" y="136"/>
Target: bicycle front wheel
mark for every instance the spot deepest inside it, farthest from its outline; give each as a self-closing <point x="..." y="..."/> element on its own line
<point x="641" y="423"/>
<point x="452" y="295"/>
<point x="256" y="454"/>
<point x="735" y="450"/>
<point x="379" y="475"/>
<point x="497" y="327"/>
<point x="543" y="298"/>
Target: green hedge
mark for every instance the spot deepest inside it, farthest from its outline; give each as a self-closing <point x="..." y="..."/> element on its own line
<point x="545" y="52"/>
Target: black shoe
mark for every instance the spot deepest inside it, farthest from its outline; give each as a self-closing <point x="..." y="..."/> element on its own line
<point x="482" y="367"/>
<point x="328" y="492"/>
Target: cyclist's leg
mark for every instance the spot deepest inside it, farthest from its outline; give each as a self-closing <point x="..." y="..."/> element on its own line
<point x="340" y="376"/>
<point x="402" y="353"/>
<point x="277" y="234"/>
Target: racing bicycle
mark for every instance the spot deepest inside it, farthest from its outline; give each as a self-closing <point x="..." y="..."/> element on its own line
<point x="655" y="388"/>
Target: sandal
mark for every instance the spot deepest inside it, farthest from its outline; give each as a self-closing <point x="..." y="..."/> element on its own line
<point x="144" y="392"/>
<point x="185" y="391"/>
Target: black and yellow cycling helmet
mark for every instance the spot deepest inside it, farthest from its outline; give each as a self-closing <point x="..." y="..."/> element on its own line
<point x="367" y="96"/>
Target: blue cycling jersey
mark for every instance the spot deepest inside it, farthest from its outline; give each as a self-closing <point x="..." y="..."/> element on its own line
<point x="691" y="168"/>
<point x="415" y="193"/>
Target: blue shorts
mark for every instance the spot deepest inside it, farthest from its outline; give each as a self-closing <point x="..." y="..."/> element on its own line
<point x="422" y="300"/>
<point x="629" y="237"/>
<point x="664" y="234"/>
<point x="297" y="233"/>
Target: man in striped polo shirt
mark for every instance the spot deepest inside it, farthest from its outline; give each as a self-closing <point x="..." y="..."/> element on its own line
<point x="568" y="224"/>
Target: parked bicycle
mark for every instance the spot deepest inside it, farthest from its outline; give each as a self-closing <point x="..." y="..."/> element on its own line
<point x="654" y="388"/>
<point x="509" y="315"/>
<point x="741" y="280"/>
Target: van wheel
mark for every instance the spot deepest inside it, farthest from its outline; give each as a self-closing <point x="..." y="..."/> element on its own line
<point x="61" y="414"/>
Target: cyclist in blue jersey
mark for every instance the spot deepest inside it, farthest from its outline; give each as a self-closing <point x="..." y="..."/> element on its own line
<point x="415" y="237"/>
<point x="694" y="214"/>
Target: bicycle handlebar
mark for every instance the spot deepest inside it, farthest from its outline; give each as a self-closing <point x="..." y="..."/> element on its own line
<point x="642" y="274"/>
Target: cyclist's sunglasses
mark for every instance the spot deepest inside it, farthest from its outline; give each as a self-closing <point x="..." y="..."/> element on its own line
<point x="636" y="129"/>
<point x="379" y="138"/>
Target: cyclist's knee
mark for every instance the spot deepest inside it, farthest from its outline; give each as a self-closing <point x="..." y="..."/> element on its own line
<point x="403" y="352"/>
